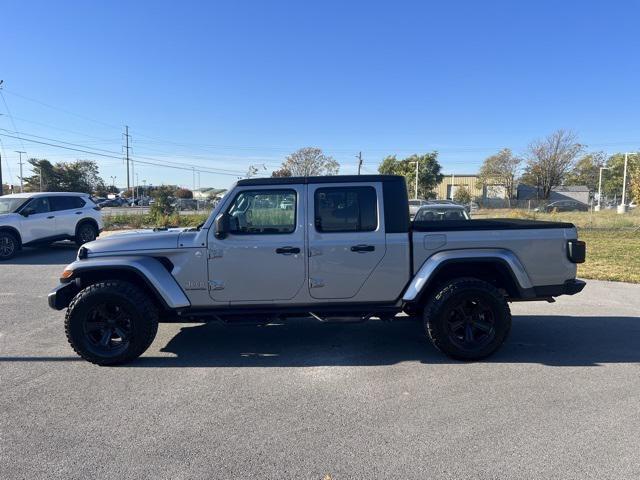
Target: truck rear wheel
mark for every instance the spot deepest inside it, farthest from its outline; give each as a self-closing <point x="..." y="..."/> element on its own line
<point x="111" y="322"/>
<point x="467" y="319"/>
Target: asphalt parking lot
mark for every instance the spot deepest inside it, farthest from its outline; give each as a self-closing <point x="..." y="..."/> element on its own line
<point x="307" y="400"/>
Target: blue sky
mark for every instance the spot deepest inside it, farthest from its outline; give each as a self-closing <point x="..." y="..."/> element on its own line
<point x="222" y="85"/>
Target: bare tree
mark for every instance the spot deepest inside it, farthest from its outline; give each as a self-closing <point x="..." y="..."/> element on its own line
<point x="551" y="159"/>
<point x="500" y="169"/>
<point x="306" y="162"/>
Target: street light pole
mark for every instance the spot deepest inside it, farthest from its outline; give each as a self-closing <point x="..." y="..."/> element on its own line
<point x="598" y="207"/>
<point x="417" y="173"/>
<point x="622" y="208"/>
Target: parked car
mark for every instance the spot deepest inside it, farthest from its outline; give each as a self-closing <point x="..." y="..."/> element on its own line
<point x="345" y="252"/>
<point x="28" y="219"/>
<point x="185" y="204"/>
<point x="441" y="211"/>
<point x="565" y="206"/>
<point x="414" y="206"/>
<point x="114" y="202"/>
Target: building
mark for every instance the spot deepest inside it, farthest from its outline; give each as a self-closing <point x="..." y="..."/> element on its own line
<point x="446" y="189"/>
<point x="580" y="193"/>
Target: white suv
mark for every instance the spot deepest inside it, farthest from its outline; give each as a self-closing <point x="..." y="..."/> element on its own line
<point x="41" y="218"/>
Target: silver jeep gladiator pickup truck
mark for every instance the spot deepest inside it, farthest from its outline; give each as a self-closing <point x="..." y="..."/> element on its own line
<point x="336" y="248"/>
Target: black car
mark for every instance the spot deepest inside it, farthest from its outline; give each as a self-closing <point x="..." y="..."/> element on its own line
<point x="566" y="206"/>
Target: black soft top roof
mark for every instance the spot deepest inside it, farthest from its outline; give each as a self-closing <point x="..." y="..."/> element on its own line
<point x="324" y="179"/>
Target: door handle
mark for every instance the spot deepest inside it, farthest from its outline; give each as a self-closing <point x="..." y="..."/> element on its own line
<point x="363" y="248"/>
<point x="78" y="213"/>
<point x="52" y="216"/>
<point x="287" y="250"/>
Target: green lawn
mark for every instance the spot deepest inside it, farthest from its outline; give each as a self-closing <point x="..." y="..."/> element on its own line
<point x="611" y="255"/>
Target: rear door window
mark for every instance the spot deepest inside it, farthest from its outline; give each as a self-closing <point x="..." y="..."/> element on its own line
<point x="346" y="209"/>
<point x="66" y="203"/>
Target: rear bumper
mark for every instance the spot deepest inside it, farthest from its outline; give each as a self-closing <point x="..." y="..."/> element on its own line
<point x="60" y="297"/>
<point x="570" y="287"/>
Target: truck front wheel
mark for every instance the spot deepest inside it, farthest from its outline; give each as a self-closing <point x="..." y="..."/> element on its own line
<point x="467" y="319"/>
<point x="111" y="322"/>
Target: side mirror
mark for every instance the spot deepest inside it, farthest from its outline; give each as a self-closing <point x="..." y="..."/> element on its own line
<point x="27" y="211"/>
<point x="222" y="225"/>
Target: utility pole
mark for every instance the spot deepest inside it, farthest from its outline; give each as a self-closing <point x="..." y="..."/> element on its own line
<point x="599" y="206"/>
<point x="126" y="136"/>
<point x="194" y="178"/>
<point x="21" y="184"/>
<point x="113" y="181"/>
<point x="359" y="157"/>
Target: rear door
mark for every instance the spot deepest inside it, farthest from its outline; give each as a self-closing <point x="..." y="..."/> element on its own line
<point x="263" y="257"/>
<point x="346" y="237"/>
<point x="68" y="210"/>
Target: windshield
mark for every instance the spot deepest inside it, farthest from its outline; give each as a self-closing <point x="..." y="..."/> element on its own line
<point x="431" y="214"/>
<point x="10" y="205"/>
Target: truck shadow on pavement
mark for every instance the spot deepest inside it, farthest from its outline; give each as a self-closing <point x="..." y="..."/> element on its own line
<point x="547" y="340"/>
<point x="61" y="253"/>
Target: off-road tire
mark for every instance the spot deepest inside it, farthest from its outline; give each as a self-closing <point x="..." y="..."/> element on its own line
<point x="140" y="311"/>
<point x="9" y="245"/>
<point x="438" y="317"/>
<point x="85" y="232"/>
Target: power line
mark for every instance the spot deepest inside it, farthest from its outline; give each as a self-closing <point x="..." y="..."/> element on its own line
<point x="119" y="157"/>
<point x="68" y="112"/>
<point x="9" y="112"/>
<point x="115" y="154"/>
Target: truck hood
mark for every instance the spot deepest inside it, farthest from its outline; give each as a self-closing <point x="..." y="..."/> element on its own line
<point x="136" y="240"/>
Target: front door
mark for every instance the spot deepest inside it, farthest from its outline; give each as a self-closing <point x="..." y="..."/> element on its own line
<point x="41" y="223"/>
<point x="346" y="237"/>
<point x="262" y="258"/>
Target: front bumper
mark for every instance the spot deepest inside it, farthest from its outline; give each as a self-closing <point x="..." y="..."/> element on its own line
<point x="60" y="297"/>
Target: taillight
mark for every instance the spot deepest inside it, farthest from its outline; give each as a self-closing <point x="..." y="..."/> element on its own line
<point x="576" y="251"/>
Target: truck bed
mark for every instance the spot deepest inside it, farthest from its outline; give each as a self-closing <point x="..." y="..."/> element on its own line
<point x="540" y="246"/>
<point x="487" y="224"/>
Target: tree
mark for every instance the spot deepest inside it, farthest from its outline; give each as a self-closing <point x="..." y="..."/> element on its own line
<point x="612" y="177"/>
<point x="428" y="172"/>
<point x="306" y="162"/>
<point x="462" y="195"/>
<point x="551" y="159"/>
<point x="500" y="169"/>
<point x="587" y="170"/>
<point x="634" y="171"/>
<point x="78" y="176"/>
<point x="183" y="193"/>
<point x="282" y="172"/>
<point x="163" y="201"/>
